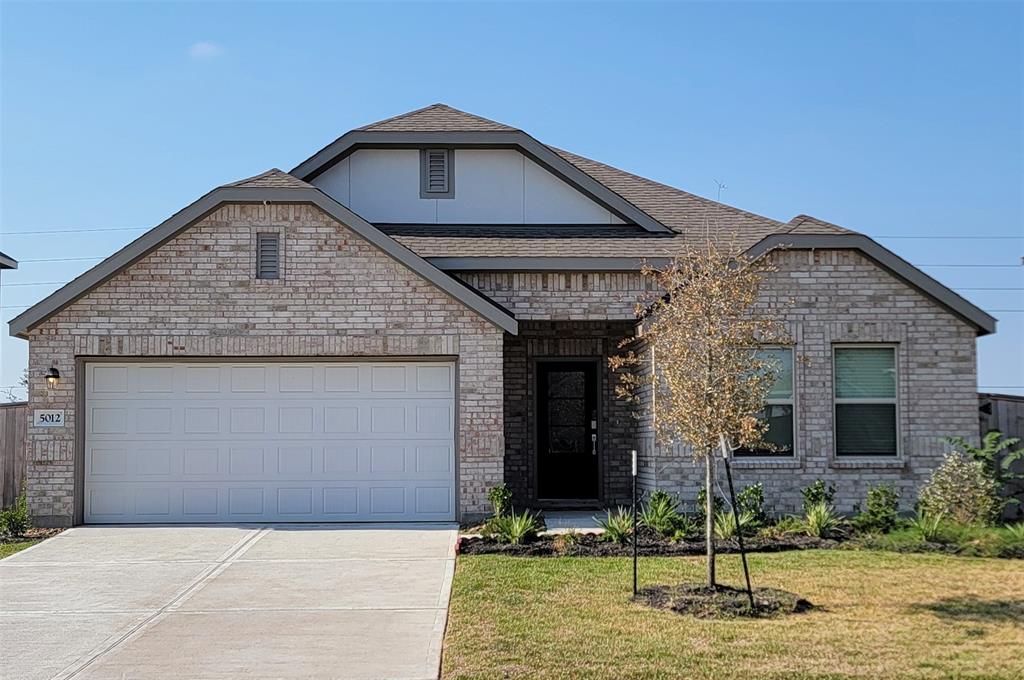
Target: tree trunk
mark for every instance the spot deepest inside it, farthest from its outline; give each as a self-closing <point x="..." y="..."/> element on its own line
<point x="709" y="513"/>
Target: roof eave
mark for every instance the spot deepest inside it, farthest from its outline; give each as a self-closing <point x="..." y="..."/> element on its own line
<point x="539" y="153"/>
<point x="33" y="316"/>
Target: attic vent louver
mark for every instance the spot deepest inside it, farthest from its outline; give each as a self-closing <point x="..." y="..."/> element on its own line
<point x="436" y="173"/>
<point x="268" y="256"/>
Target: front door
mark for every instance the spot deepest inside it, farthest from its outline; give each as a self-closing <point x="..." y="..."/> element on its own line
<point x="567" y="436"/>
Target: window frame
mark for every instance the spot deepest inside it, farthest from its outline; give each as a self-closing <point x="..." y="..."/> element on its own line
<point x="770" y="401"/>
<point x="425" y="172"/>
<point x="894" y="401"/>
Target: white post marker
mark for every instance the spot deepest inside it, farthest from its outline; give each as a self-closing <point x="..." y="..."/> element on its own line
<point x="634" y="461"/>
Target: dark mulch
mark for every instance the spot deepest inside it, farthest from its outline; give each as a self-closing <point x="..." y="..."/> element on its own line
<point x="723" y="602"/>
<point x="648" y="545"/>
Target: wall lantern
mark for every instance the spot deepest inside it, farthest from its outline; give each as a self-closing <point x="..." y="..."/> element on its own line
<point x="52" y="376"/>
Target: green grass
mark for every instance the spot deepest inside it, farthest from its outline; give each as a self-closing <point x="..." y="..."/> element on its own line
<point x="8" y="549"/>
<point x="880" y="615"/>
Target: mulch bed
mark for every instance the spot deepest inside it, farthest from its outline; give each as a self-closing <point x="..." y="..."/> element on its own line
<point x="31" y="535"/>
<point x="648" y="545"/>
<point x="723" y="602"/>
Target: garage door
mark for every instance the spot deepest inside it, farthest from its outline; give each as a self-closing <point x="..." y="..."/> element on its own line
<point x="269" y="442"/>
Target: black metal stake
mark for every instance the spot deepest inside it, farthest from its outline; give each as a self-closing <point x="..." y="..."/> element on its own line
<point x="739" y="534"/>
<point x="634" y="525"/>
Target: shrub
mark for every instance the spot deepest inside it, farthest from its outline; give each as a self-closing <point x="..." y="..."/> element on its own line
<point x="661" y="514"/>
<point x="717" y="505"/>
<point x="784" y="527"/>
<point x="725" y="524"/>
<point x="927" y="526"/>
<point x="880" y="511"/>
<point x="501" y="499"/>
<point x="514" y="528"/>
<point x="618" y="525"/>
<point x="15" y="521"/>
<point x="961" y="491"/>
<point x="817" y="493"/>
<point x="685" y="527"/>
<point x="751" y="499"/>
<point x="1015" y="531"/>
<point x="996" y="459"/>
<point x="821" y="521"/>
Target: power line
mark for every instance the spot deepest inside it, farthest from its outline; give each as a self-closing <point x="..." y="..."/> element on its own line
<point x="966" y="238"/>
<point x="35" y="283"/>
<point x="70" y="231"/>
<point x="65" y="259"/>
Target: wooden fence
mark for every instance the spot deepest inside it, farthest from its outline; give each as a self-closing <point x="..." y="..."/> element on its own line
<point x="13" y="450"/>
<point x="1005" y="412"/>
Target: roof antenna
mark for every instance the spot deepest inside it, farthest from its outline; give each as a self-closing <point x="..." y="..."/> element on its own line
<point x="721" y="187"/>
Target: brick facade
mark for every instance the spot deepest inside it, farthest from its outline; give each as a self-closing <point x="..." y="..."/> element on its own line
<point x="617" y="429"/>
<point x="838" y="296"/>
<point x="339" y="296"/>
<point x="196" y="295"/>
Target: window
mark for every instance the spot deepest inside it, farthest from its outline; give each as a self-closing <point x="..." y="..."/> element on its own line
<point x="436" y="173"/>
<point x="778" y="406"/>
<point x="865" y="398"/>
<point x="268" y="256"/>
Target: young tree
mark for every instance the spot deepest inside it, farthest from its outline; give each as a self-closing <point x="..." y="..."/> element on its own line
<point x="695" y="358"/>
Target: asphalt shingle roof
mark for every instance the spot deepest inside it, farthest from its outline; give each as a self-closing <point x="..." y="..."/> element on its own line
<point x="272" y="178"/>
<point x="437" y="118"/>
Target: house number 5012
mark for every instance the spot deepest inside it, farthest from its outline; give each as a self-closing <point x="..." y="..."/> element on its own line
<point x="48" y="417"/>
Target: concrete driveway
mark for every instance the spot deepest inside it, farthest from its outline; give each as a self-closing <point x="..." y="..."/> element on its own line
<point x="284" y="601"/>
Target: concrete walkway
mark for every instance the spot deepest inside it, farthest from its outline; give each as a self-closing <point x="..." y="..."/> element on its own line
<point x="285" y="601"/>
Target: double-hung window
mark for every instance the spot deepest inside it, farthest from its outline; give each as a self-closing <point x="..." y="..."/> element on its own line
<point x="865" y="384"/>
<point x="778" y="410"/>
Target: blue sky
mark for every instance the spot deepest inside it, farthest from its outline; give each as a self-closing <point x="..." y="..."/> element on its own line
<point x="895" y="119"/>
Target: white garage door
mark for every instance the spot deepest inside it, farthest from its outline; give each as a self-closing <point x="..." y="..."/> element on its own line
<point x="269" y="442"/>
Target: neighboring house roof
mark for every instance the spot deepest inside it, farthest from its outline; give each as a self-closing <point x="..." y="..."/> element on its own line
<point x="7" y="262"/>
<point x="273" y="186"/>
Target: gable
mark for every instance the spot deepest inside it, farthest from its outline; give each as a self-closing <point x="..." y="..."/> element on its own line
<point x="266" y="192"/>
<point x="489" y="186"/>
<point x="332" y="281"/>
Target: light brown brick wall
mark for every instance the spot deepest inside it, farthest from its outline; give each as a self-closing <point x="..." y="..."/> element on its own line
<point x="839" y="296"/>
<point x="576" y="296"/>
<point x="196" y="296"/>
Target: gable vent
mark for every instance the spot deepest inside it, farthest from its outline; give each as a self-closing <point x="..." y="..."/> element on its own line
<point x="436" y="173"/>
<point x="268" y="256"/>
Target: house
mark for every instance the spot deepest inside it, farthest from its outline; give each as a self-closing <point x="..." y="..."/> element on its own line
<point x="424" y="309"/>
<point x="7" y="262"/>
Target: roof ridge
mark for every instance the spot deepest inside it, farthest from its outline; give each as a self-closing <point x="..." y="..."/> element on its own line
<point x="440" y="106"/>
<point x="271" y="177"/>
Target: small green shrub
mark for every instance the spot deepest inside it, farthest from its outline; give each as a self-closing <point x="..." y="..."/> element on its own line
<point x="962" y="491"/>
<point x="725" y="524"/>
<point x="821" y="521"/>
<point x="618" y="525"/>
<point x="817" y="493"/>
<point x="501" y="499"/>
<point x="718" y="504"/>
<point x="661" y="514"/>
<point x="786" y="526"/>
<point x="881" y="510"/>
<point x="751" y="499"/>
<point x="928" y="526"/>
<point x="15" y="520"/>
<point x="1015" y="531"/>
<point x="514" y="528"/>
<point x="685" y="528"/>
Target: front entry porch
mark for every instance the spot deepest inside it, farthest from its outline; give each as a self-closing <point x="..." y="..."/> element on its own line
<point x="567" y="435"/>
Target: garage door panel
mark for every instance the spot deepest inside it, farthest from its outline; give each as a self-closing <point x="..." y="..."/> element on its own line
<point x="182" y="442"/>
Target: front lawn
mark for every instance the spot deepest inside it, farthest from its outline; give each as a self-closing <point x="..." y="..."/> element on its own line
<point x="879" y="615"/>
<point x="8" y="549"/>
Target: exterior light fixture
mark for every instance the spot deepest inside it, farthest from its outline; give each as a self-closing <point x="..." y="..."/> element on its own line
<point x="53" y="376"/>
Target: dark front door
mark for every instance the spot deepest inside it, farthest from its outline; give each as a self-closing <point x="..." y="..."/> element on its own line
<point x="567" y="433"/>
